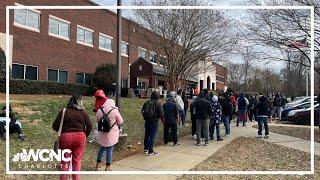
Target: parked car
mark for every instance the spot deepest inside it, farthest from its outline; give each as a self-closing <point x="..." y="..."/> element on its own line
<point x="285" y="111"/>
<point x="299" y="100"/>
<point x="303" y="116"/>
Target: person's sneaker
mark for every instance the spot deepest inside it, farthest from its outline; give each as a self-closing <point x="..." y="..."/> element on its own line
<point x="177" y="144"/>
<point x="206" y="144"/>
<point x="195" y="137"/>
<point x="21" y="137"/>
<point x="153" y="154"/>
<point x="211" y="138"/>
<point x="266" y="136"/>
<point x="259" y="136"/>
<point x="219" y="139"/>
<point x="228" y="135"/>
<point x="145" y="151"/>
<point x="198" y="144"/>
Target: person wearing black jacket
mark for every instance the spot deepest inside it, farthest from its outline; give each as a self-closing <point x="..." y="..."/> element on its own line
<point x="186" y="106"/>
<point x="226" y="112"/>
<point x="203" y="112"/>
<point x="263" y="113"/>
<point x="13" y="126"/>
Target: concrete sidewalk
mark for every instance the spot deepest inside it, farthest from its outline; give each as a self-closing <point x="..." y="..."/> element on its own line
<point x="188" y="155"/>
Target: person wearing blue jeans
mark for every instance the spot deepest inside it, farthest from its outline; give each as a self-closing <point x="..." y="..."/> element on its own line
<point x="263" y="121"/>
<point x="226" y="124"/>
<point x="152" y="111"/>
<point x="227" y="109"/>
<point x="151" y="129"/>
<point x="109" y="153"/>
<point x="263" y="112"/>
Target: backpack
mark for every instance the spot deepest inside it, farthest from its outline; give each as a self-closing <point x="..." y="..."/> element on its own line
<point x="242" y="103"/>
<point x="104" y="123"/>
<point x="278" y="101"/>
<point x="149" y="110"/>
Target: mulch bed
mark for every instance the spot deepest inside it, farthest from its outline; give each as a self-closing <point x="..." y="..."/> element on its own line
<point x="249" y="154"/>
<point x="298" y="132"/>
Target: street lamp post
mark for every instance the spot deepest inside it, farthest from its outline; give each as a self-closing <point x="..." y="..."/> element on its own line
<point x="118" y="52"/>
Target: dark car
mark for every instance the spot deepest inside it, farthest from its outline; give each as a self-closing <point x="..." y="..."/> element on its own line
<point x="303" y="116"/>
<point x="284" y="112"/>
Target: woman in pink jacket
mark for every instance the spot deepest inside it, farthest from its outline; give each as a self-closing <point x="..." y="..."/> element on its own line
<point x="108" y="139"/>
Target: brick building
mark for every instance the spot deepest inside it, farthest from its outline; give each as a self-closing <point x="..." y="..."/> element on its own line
<point x="68" y="45"/>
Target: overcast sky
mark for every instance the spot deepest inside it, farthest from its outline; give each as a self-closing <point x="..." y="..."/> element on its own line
<point x="236" y="14"/>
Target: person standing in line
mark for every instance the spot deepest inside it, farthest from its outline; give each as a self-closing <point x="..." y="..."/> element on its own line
<point x="193" y="117"/>
<point x="263" y="112"/>
<point x="180" y="104"/>
<point x="242" y="103"/>
<point x="252" y="112"/>
<point x="171" y="118"/>
<point x="152" y="111"/>
<point x="226" y="113"/>
<point x="186" y="105"/>
<point x="277" y="104"/>
<point x="75" y="128"/>
<point x="203" y="113"/>
<point x="234" y="105"/>
<point x="107" y="140"/>
<point x="215" y="119"/>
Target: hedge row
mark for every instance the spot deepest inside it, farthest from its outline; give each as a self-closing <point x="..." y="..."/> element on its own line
<point x="46" y="87"/>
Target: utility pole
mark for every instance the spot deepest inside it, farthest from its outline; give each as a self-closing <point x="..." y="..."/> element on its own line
<point x="118" y="52"/>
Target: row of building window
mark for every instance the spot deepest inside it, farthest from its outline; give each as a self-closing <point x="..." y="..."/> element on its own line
<point x="30" y="19"/>
<point x="29" y="72"/>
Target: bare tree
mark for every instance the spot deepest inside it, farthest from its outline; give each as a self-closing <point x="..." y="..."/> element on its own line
<point x="286" y="31"/>
<point x="186" y="37"/>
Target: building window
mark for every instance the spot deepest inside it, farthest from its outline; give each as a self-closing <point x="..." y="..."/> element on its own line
<point x="26" y="18"/>
<point x="142" y="52"/>
<point x="124" y="49"/>
<point x="105" y="42"/>
<point x="57" y="75"/>
<point x="124" y="83"/>
<point x="59" y="27"/>
<point x="84" y="78"/>
<point x="85" y="36"/>
<point x="153" y="57"/>
<point x="21" y="71"/>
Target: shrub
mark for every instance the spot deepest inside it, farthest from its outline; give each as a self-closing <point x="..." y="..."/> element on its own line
<point x="104" y="77"/>
<point x="45" y="87"/>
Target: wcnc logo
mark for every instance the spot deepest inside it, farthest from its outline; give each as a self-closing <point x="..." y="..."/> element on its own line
<point x="43" y="155"/>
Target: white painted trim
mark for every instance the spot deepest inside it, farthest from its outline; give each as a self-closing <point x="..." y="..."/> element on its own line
<point x="59" y="19"/>
<point x="34" y="10"/>
<point x="84" y="43"/>
<point x="59" y="36"/>
<point x="26" y="27"/>
<point x="82" y="27"/>
<point x="105" y="49"/>
<point x="106" y="36"/>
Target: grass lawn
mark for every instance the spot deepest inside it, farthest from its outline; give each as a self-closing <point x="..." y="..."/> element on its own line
<point x="295" y="131"/>
<point x="248" y="154"/>
<point x="37" y="112"/>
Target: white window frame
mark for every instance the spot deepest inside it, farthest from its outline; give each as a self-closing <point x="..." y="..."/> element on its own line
<point x="84" y="78"/>
<point x="152" y="53"/>
<point x="142" y="49"/>
<point x="108" y="37"/>
<point x="25" y="26"/>
<point x="25" y="68"/>
<point x="84" y="43"/>
<point x="58" y="75"/>
<point x="125" y="55"/>
<point x="58" y="35"/>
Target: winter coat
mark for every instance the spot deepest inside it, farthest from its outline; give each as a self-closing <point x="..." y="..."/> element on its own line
<point x="110" y="138"/>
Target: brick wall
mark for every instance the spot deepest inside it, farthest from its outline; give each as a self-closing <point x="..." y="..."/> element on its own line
<point x="44" y="51"/>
